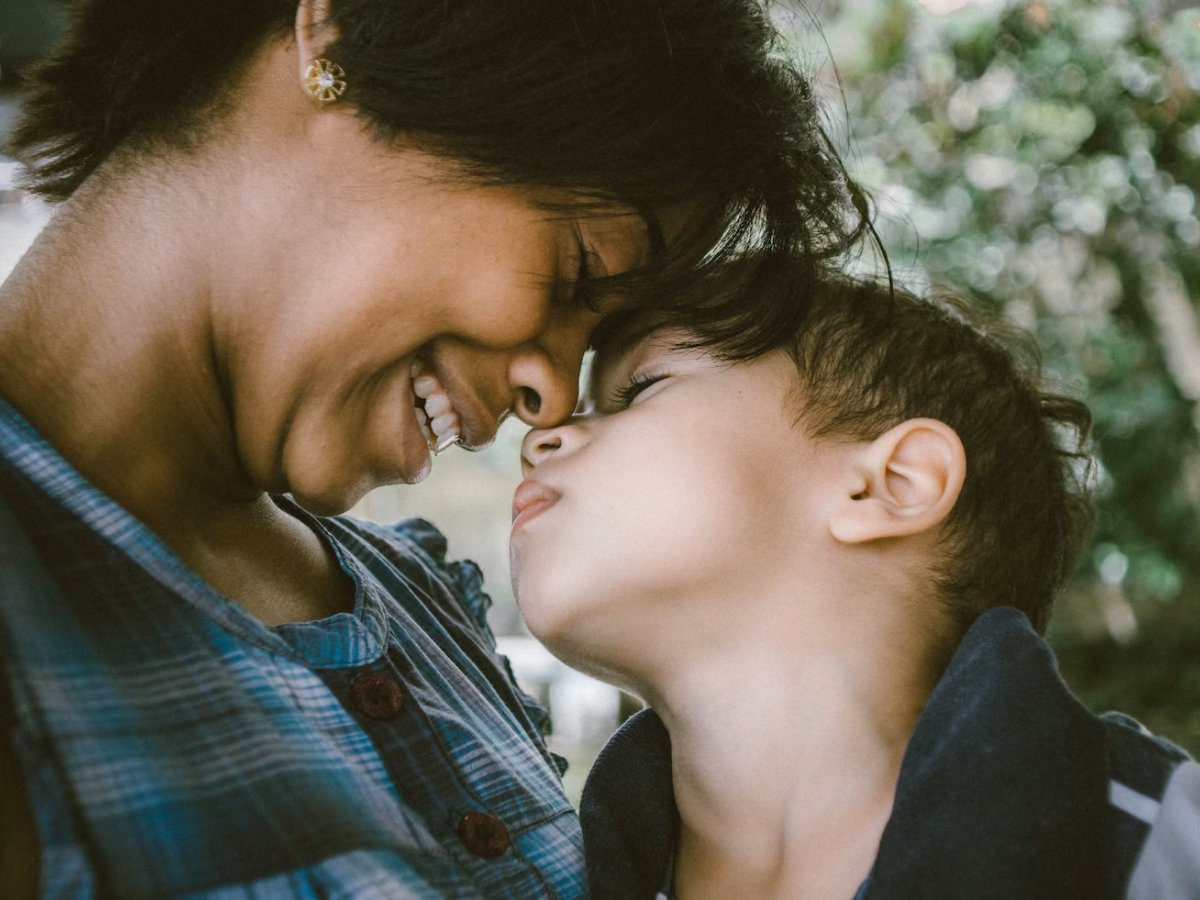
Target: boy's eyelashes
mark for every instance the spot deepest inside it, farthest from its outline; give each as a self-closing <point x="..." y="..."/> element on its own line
<point x="622" y="397"/>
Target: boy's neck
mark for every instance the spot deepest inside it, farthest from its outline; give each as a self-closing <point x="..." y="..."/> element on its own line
<point x="786" y="750"/>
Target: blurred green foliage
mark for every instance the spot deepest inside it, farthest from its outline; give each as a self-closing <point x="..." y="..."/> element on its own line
<point x="1044" y="158"/>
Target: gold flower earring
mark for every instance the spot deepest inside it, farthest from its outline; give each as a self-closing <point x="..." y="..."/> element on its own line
<point x="325" y="81"/>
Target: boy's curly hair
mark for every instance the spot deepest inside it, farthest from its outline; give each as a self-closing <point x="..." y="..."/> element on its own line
<point x="871" y="357"/>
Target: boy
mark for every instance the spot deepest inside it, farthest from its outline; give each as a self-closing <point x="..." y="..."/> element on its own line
<point x="826" y="568"/>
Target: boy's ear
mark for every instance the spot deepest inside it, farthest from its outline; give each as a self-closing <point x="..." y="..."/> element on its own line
<point x="904" y="482"/>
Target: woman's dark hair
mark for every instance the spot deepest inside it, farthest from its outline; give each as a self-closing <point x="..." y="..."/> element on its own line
<point x="870" y="357"/>
<point x="646" y="103"/>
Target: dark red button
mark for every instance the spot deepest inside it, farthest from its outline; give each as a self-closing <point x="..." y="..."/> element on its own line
<point x="378" y="696"/>
<point x="483" y="834"/>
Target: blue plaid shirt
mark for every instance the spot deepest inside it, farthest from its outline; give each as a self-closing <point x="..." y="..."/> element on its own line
<point x="172" y="745"/>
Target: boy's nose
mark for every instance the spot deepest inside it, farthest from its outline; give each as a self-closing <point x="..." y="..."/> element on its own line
<point x="538" y="446"/>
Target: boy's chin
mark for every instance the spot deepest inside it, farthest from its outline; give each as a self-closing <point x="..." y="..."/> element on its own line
<point x="584" y="645"/>
<point x="549" y="626"/>
<point x="543" y="607"/>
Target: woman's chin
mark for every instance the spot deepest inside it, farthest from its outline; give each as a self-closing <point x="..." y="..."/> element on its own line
<point x="331" y="499"/>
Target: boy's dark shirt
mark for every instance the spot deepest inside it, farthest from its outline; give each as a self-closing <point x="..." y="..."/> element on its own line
<point x="1009" y="788"/>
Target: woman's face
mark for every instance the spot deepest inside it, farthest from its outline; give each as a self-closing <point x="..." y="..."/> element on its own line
<point x="360" y="264"/>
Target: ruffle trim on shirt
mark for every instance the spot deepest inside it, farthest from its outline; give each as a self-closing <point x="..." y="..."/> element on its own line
<point x="466" y="578"/>
<point x="464" y="575"/>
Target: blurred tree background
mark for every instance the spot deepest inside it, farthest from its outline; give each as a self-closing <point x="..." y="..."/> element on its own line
<point x="1044" y="157"/>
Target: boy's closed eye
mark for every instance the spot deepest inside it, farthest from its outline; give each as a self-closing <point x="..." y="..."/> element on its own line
<point x="624" y="371"/>
<point x="622" y="397"/>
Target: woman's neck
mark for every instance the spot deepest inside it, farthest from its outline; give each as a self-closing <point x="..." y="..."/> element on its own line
<point x="786" y="756"/>
<point x="108" y="352"/>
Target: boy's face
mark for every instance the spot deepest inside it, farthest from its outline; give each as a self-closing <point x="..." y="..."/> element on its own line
<point x="674" y="494"/>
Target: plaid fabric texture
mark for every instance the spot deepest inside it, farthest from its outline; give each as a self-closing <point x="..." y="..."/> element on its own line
<point x="174" y="746"/>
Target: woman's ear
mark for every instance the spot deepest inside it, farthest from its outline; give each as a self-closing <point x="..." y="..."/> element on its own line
<point x="313" y="34"/>
<point x="904" y="482"/>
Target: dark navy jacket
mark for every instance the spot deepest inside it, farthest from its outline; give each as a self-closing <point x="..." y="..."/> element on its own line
<point x="1009" y="788"/>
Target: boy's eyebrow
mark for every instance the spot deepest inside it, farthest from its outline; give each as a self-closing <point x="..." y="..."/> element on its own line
<point x="624" y="328"/>
<point x="622" y="334"/>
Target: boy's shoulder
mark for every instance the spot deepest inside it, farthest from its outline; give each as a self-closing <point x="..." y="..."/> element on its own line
<point x="1132" y="742"/>
<point x="1138" y="759"/>
<point x="1009" y="787"/>
<point x="1154" y="791"/>
<point x="1067" y="798"/>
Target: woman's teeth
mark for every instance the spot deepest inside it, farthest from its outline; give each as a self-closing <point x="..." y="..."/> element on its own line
<point x="437" y="419"/>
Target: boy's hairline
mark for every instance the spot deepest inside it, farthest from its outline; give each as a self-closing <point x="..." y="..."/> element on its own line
<point x="631" y="328"/>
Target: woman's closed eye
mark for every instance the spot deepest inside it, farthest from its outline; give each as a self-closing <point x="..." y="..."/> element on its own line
<point x="590" y="267"/>
<point x="623" y="397"/>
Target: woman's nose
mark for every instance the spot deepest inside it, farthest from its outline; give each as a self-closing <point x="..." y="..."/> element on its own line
<point x="544" y="392"/>
<point x="545" y="376"/>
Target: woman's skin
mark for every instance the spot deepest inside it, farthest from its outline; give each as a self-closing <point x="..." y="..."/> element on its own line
<point x="764" y="592"/>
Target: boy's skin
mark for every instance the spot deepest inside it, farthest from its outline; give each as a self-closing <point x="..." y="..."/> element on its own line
<point x="767" y="594"/>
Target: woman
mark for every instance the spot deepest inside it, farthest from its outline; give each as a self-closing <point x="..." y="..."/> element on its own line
<point x="297" y="248"/>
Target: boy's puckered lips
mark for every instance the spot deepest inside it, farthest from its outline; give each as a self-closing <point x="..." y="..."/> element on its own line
<point x="530" y="499"/>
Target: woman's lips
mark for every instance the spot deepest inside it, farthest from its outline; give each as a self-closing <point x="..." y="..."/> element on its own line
<point x="436" y="416"/>
<point x="530" y="499"/>
<point x="445" y="422"/>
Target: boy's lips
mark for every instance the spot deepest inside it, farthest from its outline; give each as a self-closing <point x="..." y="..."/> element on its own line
<point x="530" y="499"/>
